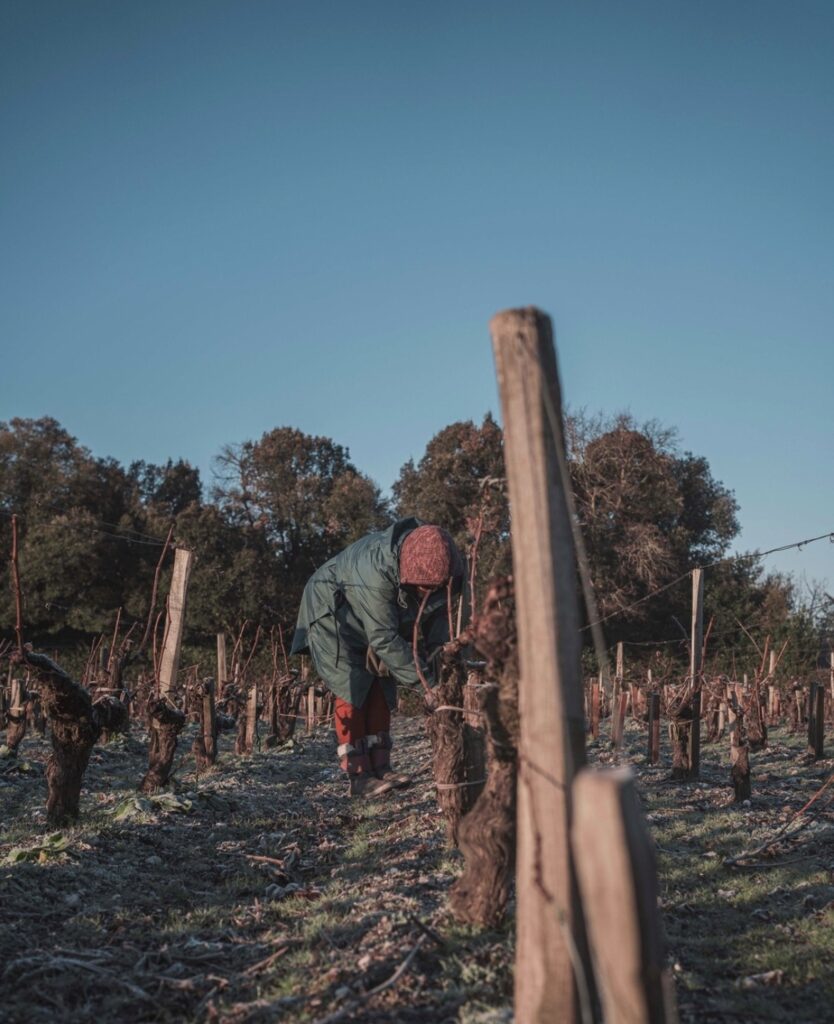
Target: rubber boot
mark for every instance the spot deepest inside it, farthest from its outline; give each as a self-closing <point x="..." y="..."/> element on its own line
<point x="379" y="755"/>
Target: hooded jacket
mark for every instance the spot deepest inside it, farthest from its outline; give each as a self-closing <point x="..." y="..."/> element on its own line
<point x="355" y="601"/>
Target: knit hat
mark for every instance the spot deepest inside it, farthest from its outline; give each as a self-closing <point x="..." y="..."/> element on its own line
<point x="426" y="557"/>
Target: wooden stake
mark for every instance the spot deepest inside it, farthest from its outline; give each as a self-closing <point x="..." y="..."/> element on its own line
<point x="170" y="661"/>
<point x="696" y="671"/>
<point x="614" y="856"/>
<point x="595" y="698"/>
<point x="654" y="728"/>
<point x="18" y="600"/>
<point x="816" y="721"/>
<point x="222" y="672"/>
<point x="619" y="720"/>
<point x="619" y="672"/>
<point x="550" y="929"/>
<point x="250" y="735"/>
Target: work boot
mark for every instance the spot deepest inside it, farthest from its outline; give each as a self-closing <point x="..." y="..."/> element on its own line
<point x="367" y="786"/>
<point x="354" y="760"/>
<point x="379" y="754"/>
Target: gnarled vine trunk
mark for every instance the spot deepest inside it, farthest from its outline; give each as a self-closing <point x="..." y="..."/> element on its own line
<point x="487" y="834"/>
<point x="166" y="723"/>
<point x="76" y="722"/>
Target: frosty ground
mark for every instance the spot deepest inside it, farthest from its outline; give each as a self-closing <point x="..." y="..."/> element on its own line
<point x="257" y="892"/>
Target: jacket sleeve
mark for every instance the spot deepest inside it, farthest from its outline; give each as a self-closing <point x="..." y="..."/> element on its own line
<point x="377" y="611"/>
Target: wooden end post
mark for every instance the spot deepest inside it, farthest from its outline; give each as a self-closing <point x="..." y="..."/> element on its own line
<point x="618" y="881"/>
<point x="550" y="930"/>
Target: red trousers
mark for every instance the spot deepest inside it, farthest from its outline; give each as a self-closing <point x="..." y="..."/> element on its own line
<point x="354" y="724"/>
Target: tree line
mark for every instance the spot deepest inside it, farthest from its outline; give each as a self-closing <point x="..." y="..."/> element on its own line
<point x="91" y="532"/>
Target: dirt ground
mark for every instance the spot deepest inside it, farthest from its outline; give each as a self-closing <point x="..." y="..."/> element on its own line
<point x="257" y="892"/>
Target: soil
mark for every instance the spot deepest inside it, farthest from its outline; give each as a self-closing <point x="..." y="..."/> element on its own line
<point x="256" y="891"/>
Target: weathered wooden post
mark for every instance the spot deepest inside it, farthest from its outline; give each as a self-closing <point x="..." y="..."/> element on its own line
<point x="222" y="671"/>
<point x="174" y="626"/>
<point x="311" y="709"/>
<point x="816" y="721"/>
<point x="615" y="861"/>
<point x="595" y="699"/>
<point x="618" y="716"/>
<point x="167" y="721"/>
<point x="550" y="929"/>
<point x="251" y="731"/>
<point x="654" y="727"/>
<point x="696" y="669"/>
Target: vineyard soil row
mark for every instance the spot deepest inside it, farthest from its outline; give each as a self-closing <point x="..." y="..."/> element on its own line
<point x="256" y="892"/>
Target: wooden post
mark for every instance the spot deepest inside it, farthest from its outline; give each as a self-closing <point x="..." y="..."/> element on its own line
<point x="175" y="621"/>
<point x="816" y="721"/>
<point x="696" y="669"/>
<point x="548" y="987"/>
<point x="831" y="680"/>
<point x="222" y="676"/>
<point x="619" y="673"/>
<point x="311" y="708"/>
<point x="595" y="698"/>
<point x="615" y="862"/>
<point x="618" y="717"/>
<point x="251" y="734"/>
<point x="654" y="728"/>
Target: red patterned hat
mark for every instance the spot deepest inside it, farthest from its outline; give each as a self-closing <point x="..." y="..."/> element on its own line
<point x="426" y="557"/>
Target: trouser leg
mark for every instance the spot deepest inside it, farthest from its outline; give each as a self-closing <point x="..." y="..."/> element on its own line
<point x="351" y="730"/>
<point x="378" y="737"/>
<point x="353" y="748"/>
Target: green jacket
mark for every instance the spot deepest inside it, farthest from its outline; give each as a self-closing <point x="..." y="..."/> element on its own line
<point x="355" y="601"/>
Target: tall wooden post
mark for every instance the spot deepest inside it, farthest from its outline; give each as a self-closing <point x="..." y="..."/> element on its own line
<point x="222" y="675"/>
<point x="175" y="621"/>
<point x="552" y="740"/>
<point x="831" y="681"/>
<point x="696" y="669"/>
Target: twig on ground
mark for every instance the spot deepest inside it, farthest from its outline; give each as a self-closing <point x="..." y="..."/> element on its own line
<point x="355" y="1003"/>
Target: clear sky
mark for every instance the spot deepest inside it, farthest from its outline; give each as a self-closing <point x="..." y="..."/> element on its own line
<point x="218" y="218"/>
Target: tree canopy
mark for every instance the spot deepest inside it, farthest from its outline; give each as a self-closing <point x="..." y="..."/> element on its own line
<point x="91" y="532"/>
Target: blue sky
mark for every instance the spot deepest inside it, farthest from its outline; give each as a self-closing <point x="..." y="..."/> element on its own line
<point x="217" y="218"/>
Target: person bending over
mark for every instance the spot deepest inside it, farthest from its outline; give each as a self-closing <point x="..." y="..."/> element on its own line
<point x="356" y="621"/>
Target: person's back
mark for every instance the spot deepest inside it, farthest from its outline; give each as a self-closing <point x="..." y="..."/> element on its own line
<point x="355" y="617"/>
